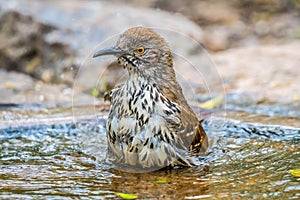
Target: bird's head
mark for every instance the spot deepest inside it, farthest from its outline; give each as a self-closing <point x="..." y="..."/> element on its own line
<point x="140" y="50"/>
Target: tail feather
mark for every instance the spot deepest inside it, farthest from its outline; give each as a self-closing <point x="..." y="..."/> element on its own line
<point x="200" y="141"/>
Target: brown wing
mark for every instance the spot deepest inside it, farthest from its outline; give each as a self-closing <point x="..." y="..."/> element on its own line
<point x="191" y="130"/>
<point x="200" y="142"/>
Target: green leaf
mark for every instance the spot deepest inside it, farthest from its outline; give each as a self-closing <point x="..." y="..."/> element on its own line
<point x="126" y="196"/>
<point x="295" y="172"/>
<point x="212" y="103"/>
<point x="164" y="180"/>
<point x="94" y="92"/>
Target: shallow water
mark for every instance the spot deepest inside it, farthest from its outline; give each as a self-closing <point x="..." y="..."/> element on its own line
<point x="64" y="159"/>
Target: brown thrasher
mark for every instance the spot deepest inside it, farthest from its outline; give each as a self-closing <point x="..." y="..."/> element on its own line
<point x="150" y="123"/>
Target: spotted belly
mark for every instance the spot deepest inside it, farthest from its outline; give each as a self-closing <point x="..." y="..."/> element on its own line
<point x="144" y="135"/>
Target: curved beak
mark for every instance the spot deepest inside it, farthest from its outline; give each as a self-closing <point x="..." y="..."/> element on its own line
<point x="109" y="51"/>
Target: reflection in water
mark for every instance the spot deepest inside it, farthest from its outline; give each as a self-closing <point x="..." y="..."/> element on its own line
<point x="246" y="160"/>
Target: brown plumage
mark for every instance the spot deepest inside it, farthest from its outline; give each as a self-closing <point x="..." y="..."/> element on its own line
<point x="150" y="123"/>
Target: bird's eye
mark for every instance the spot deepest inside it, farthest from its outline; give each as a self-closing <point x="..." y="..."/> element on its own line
<point x="140" y="50"/>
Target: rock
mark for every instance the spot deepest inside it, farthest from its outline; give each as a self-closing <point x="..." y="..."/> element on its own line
<point x="84" y="27"/>
<point x="54" y="40"/>
<point x="20" y="88"/>
<point x="263" y="21"/>
<point x="24" y="47"/>
<point x="266" y="72"/>
<point x="60" y="30"/>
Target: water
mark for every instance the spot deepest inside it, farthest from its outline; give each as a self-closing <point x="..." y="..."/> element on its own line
<point x="63" y="159"/>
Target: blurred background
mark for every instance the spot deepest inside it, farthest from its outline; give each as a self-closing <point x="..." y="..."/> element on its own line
<point x="253" y="45"/>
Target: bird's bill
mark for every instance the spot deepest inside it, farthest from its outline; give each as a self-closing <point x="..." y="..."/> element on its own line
<point x="109" y="51"/>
